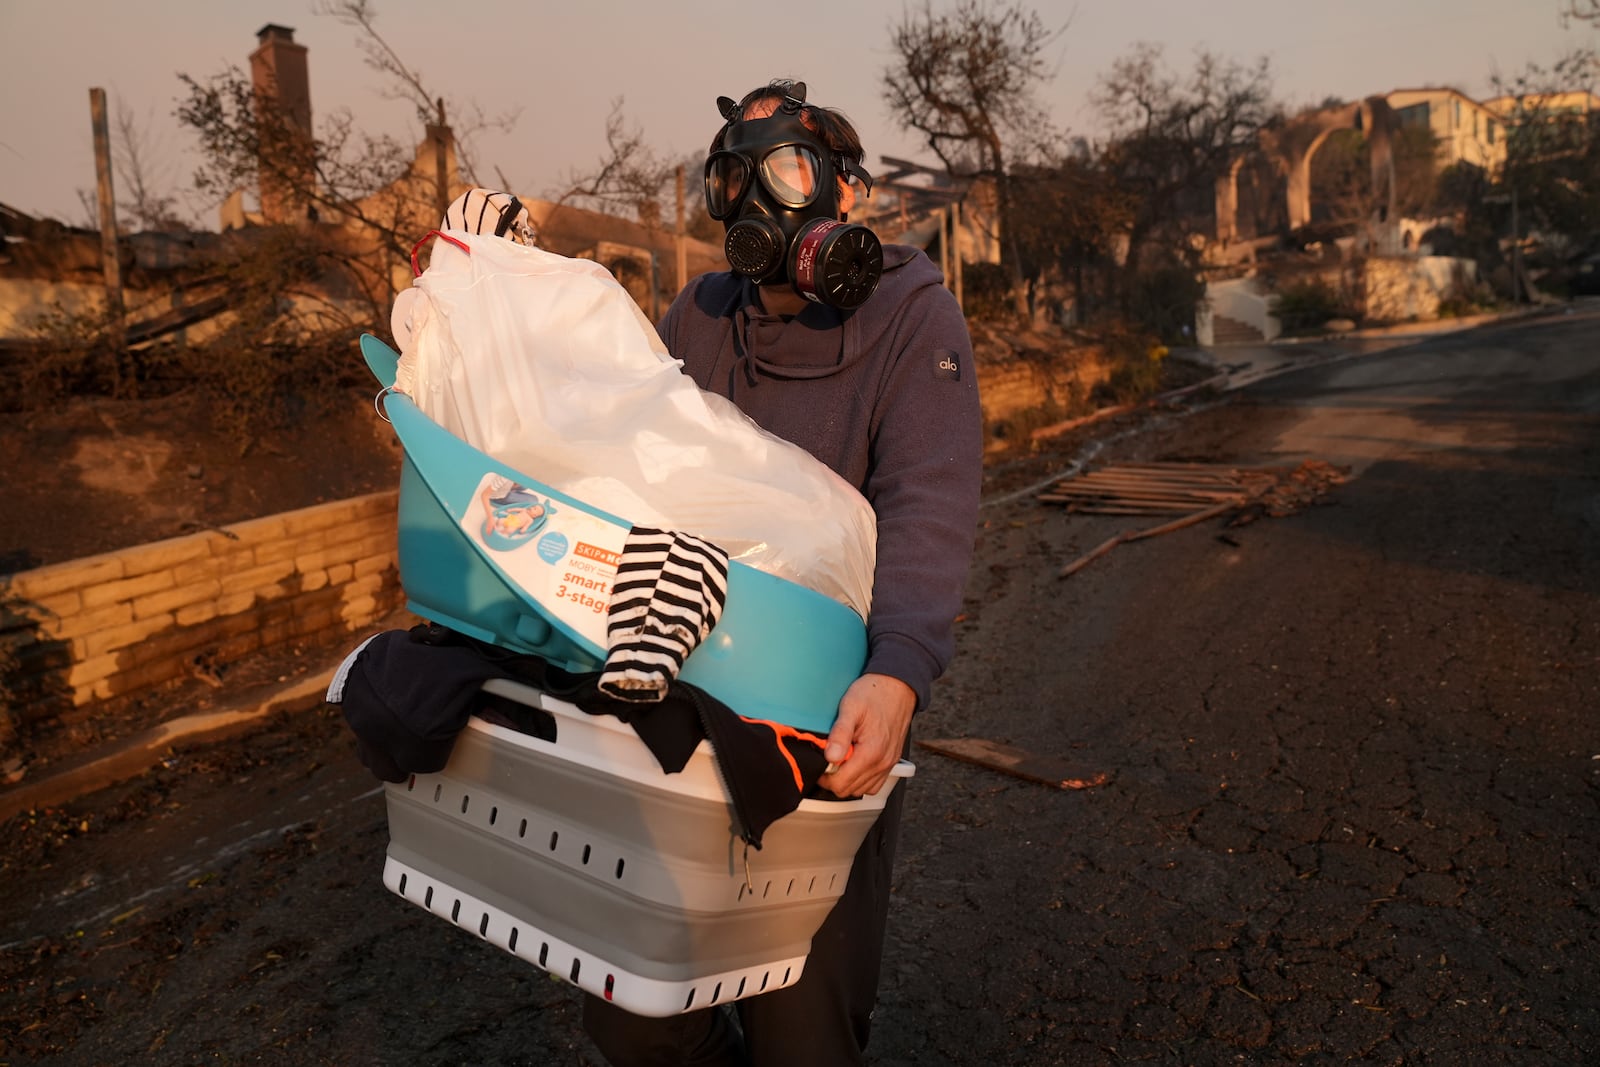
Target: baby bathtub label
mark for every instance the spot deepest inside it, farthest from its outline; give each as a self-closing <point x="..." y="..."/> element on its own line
<point x="565" y="559"/>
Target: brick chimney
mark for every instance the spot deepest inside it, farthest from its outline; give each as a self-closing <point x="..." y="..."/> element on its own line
<point x="281" y="78"/>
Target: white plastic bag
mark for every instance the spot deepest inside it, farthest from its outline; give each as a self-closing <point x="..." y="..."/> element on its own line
<point x="547" y="364"/>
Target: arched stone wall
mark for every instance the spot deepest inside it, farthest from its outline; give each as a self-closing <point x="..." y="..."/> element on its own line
<point x="1291" y="148"/>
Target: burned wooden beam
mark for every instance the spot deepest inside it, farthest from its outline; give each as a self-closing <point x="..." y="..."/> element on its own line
<point x="1138" y="535"/>
<point x="991" y="755"/>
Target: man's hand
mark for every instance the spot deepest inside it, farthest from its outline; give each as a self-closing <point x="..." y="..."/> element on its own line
<point x="874" y="718"/>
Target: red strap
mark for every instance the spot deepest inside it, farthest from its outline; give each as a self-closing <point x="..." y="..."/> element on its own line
<point x="416" y="268"/>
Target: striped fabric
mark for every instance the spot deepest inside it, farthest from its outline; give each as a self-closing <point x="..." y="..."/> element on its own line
<point x="668" y="594"/>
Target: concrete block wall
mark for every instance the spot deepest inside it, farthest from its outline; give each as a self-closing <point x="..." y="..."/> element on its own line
<point x="1412" y="288"/>
<point x="91" y="629"/>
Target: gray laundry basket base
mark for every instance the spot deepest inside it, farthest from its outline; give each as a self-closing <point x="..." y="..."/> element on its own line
<point x="582" y="857"/>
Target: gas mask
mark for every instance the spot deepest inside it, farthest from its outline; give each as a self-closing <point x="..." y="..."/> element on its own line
<point x="774" y="185"/>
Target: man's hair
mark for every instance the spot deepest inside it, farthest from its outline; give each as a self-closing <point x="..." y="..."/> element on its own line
<point x="829" y="123"/>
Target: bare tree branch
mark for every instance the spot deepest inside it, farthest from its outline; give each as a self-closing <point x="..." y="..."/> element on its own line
<point x="1582" y="11"/>
<point x="630" y="176"/>
<point x="1172" y="136"/>
<point x="406" y="83"/>
<point x="965" y="80"/>
<point x="149" y="210"/>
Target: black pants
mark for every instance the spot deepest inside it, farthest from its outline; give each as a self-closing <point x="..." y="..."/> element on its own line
<point x="824" y="1018"/>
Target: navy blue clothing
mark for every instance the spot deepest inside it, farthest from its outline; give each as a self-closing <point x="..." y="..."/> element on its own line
<point x="885" y="395"/>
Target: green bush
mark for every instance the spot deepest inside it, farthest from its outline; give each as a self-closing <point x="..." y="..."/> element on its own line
<point x="1136" y="356"/>
<point x="1307" y="304"/>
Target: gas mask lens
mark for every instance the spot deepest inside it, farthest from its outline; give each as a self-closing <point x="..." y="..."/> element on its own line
<point x="790" y="174"/>
<point x="727" y="175"/>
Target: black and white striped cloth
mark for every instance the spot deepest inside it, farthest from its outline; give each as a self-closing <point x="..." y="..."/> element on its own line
<point x="668" y="594"/>
<point x="491" y="211"/>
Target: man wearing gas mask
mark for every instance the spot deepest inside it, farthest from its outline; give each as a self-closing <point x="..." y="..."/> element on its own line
<point x="855" y="351"/>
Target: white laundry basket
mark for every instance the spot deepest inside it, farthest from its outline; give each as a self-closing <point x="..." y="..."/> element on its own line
<point x="581" y="856"/>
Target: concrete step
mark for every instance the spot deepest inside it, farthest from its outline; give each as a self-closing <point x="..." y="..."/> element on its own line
<point x="1226" y="331"/>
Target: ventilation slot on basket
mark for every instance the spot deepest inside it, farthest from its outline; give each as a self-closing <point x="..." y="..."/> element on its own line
<point x="715" y="993"/>
<point x="455" y="912"/>
<point x="574" y="973"/>
<point x="554" y="837"/>
<point x="411" y="783"/>
<point x="511" y="942"/>
<point x="464" y="799"/>
<point x="544" y="952"/>
<point x="427" y="899"/>
<point x="611" y="982"/>
<point x="690" y="1002"/>
<point x="438" y="791"/>
<point x="483" y="925"/>
<point x="764" y="976"/>
<point x="494" y="813"/>
<point x="522" y="831"/>
<point x="740" y="991"/>
<point x="585" y="855"/>
<point x="620" y="862"/>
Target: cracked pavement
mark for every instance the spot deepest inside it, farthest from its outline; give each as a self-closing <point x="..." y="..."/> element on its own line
<point x="1352" y="807"/>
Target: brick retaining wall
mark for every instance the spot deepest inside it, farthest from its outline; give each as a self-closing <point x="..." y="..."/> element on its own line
<point x="1018" y="386"/>
<point x="109" y="625"/>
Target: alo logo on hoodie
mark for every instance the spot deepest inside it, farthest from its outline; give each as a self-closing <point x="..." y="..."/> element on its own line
<point x="946" y="365"/>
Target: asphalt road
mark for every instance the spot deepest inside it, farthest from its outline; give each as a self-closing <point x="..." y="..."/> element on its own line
<point x="1350" y="809"/>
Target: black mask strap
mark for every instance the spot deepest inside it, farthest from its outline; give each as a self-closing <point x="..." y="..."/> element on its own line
<point x="855" y="170"/>
<point x="508" y="215"/>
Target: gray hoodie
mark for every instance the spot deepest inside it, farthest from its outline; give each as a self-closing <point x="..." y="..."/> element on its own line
<point x="887" y="396"/>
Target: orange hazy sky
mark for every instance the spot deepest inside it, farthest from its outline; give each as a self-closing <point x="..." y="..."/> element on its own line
<point x="561" y="66"/>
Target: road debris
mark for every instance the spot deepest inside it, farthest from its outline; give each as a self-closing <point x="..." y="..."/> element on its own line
<point x="1196" y="491"/>
<point x="991" y="755"/>
<point x="1157" y="488"/>
<point x="1292" y="489"/>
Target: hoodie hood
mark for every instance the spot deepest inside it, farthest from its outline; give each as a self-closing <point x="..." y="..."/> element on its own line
<point x="771" y="346"/>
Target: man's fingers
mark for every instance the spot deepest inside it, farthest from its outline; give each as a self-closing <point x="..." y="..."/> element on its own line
<point x="842" y="738"/>
<point x="867" y="737"/>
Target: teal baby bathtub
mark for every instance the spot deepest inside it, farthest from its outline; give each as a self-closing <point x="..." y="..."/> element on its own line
<point x="496" y="554"/>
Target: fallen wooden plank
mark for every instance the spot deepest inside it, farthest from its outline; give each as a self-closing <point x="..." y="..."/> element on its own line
<point x="1162" y="472"/>
<point x="1103" y="485"/>
<point x="1172" y="465"/>
<point x="1138" y="535"/>
<point x="1101" y="489"/>
<point x="1089" y="557"/>
<point x="1222" y="474"/>
<point x="1141" y="507"/>
<point x="1178" y="524"/>
<point x="1136" y="499"/>
<point x="1078" y="507"/>
<point x="991" y="755"/>
<point x="1099" y="485"/>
